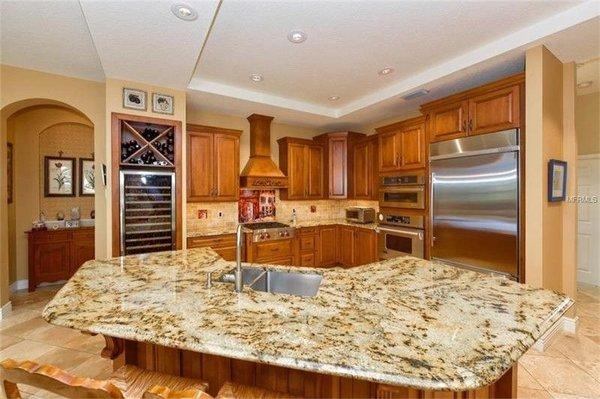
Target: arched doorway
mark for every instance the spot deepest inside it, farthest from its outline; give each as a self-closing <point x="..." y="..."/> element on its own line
<point x="37" y="128"/>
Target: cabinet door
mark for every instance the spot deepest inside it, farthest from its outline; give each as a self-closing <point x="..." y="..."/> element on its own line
<point x="82" y="248"/>
<point x="315" y="172"/>
<point x="297" y="173"/>
<point x="307" y="260"/>
<point x="494" y="111"/>
<point x="227" y="166"/>
<point x="413" y="147"/>
<point x="388" y="152"/>
<point x="327" y="246"/>
<point x="448" y="122"/>
<point x="347" y="254"/>
<point x="365" y="246"/>
<point x="200" y="166"/>
<point x="362" y="170"/>
<point x="338" y="147"/>
<point x="52" y="261"/>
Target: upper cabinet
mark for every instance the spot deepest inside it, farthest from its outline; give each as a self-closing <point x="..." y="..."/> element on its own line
<point x="302" y="162"/>
<point x="364" y="169"/>
<point x="213" y="157"/>
<point x="402" y="145"/>
<point x="489" y="108"/>
<point x="338" y="155"/>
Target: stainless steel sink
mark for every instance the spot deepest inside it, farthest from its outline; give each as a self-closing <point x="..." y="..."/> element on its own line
<point x="278" y="282"/>
<point x="283" y="282"/>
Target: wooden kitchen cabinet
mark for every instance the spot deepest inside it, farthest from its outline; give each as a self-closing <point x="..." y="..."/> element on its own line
<point x="364" y="170"/>
<point x="302" y="162"/>
<point x="327" y="246"/>
<point x="55" y="255"/>
<point x="223" y="244"/>
<point x="485" y="109"/>
<point x="346" y="254"/>
<point x="365" y="246"/>
<point x="339" y="161"/>
<point x="402" y="145"/>
<point x="213" y="163"/>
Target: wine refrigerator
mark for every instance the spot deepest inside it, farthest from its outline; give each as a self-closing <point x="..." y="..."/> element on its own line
<point x="147" y="211"/>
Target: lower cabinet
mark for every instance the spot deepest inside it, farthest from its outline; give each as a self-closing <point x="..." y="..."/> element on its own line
<point x="346" y="250"/>
<point x="276" y="252"/>
<point x="223" y="244"/>
<point x="328" y="246"/>
<point x="55" y="255"/>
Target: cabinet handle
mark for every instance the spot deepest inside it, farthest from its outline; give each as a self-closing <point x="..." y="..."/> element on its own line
<point x="464" y="125"/>
<point x="471" y="125"/>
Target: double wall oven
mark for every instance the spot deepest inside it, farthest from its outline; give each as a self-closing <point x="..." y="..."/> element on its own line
<point x="401" y="217"/>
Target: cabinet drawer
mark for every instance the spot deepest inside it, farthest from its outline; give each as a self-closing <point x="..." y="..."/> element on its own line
<point x="308" y="231"/>
<point x="307" y="260"/>
<point x="86" y="234"/>
<point x="285" y="260"/>
<point x="227" y="253"/>
<point x="307" y="243"/>
<point x="273" y="249"/>
<point x="52" y="235"/>
<point x="225" y="240"/>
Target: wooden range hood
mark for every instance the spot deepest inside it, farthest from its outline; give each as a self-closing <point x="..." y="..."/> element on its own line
<point x="260" y="171"/>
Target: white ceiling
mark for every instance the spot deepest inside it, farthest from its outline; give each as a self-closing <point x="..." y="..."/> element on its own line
<point x="144" y="42"/>
<point x="442" y="46"/>
<point x="48" y="36"/>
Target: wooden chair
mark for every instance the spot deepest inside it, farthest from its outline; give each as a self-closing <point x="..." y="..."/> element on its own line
<point x="128" y="382"/>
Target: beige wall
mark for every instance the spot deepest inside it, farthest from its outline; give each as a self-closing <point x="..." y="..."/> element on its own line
<point x="369" y="128"/>
<point x="549" y="91"/>
<point x="38" y="131"/>
<point x="20" y="88"/>
<point x="587" y="123"/>
<point x="114" y="103"/>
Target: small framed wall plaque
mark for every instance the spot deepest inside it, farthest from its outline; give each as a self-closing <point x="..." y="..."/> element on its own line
<point x="557" y="180"/>
<point x="87" y="178"/>
<point x="59" y="175"/>
<point x="162" y="103"/>
<point x="134" y="99"/>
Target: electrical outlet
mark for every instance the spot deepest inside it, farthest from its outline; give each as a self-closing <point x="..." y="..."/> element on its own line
<point x="220" y="214"/>
<point x="313" y="208"/>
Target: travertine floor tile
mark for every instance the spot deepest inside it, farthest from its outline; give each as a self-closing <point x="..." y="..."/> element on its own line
<point x="561" y="376"/>
<point x="526" y="380"/>
<point x="8" y="340"/>
<point x="528" y="393"/>
<point x="24" y="328"/>
<point x="578" y="348"/>
<point x="25" y="349"/>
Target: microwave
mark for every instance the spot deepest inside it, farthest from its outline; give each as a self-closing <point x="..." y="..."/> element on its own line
<point x="357" y="214"/>
<point x="402" y="191"/>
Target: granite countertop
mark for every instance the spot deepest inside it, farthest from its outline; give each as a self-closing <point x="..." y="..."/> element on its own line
<point x="404" y="321"/>
<point x="230" y="228"/>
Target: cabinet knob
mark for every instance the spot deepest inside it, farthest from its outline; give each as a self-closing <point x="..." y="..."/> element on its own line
<point x="464" y="125"/>
<point x="470" y="125"/>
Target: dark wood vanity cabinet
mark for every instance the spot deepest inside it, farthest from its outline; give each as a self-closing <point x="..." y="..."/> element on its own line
<point x="55" y="255"/>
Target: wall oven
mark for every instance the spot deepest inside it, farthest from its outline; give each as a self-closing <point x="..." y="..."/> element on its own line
<point x="400" y="235"/>
<point x="403" y="191"/>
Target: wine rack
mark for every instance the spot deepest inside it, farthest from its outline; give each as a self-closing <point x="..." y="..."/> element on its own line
<point x="147" y="211"/>
<point x="147" y="145"/>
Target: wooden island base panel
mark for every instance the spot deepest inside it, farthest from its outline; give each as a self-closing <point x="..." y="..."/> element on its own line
<point x="216" y="370"/>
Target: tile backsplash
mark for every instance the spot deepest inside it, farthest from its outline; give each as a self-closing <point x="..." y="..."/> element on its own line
<point x="224" y="215"/>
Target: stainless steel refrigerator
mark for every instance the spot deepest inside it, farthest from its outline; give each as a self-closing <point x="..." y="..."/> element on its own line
<point x="475" y="202"/>
<point x="147" y="211"/>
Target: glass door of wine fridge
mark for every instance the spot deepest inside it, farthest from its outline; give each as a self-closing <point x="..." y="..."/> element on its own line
<point x="147" y="211"/>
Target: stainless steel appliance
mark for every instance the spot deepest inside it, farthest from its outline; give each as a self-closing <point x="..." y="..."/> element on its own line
<point x="399" y="234"/>
<point x="268" y="231"/>
<point x="475" y="202"/>
<point x="147" y="211"/>
<point x="358" y="214"/>
<point x="403" y="191"/>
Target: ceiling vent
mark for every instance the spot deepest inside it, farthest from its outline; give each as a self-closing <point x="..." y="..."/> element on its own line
<point x="415" y="94"/>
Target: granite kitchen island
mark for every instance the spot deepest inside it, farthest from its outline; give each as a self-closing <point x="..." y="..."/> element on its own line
<point x="392" y="329"/>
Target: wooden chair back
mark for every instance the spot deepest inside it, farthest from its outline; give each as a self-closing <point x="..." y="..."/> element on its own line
<point x="52" y="379"/>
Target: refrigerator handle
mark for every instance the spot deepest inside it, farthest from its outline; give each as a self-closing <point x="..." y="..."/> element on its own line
<point x="431" y="185"/>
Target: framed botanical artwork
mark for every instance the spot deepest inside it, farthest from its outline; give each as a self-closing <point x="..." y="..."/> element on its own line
<point x="9" y="173"/>
<point x="59" y="175"/>
<point x="134" y="99"/>
<point x="162" y="103"/>
<point x="87" y="178"/>
<point x="557" y="180"/>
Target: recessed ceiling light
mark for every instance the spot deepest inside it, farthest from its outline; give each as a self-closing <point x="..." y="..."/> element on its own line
<point x="256" y="77"/>
<point x="386" y="71"/>
<point x="334" y="98"/>
<point x="296" y="36"/>
<point x="183" y="11"/>
<point x="585" y="84"/>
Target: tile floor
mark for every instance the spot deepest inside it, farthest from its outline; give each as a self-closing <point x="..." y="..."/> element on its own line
<point x="569" y="368"/>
